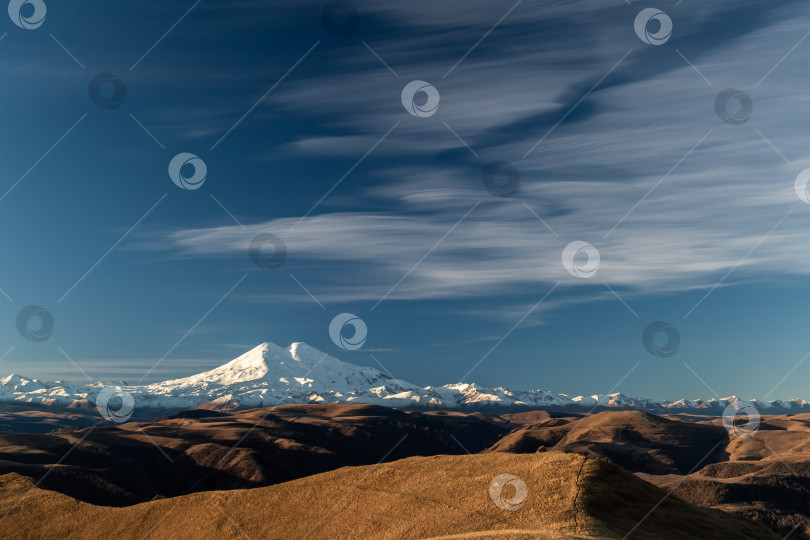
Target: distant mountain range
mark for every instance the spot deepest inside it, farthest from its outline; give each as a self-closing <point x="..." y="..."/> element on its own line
<point x="270" y="375"/>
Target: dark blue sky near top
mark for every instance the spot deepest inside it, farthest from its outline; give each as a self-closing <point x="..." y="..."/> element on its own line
<point x="598" y="124"/>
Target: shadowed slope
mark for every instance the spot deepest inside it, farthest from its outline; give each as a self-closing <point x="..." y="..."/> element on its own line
<point x="204" y="450"/>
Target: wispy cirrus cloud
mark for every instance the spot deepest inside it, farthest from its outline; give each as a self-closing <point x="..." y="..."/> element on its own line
<point x="643" y="169"/>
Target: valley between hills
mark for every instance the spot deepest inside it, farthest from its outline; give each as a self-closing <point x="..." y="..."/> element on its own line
<point x="368" y="471"/>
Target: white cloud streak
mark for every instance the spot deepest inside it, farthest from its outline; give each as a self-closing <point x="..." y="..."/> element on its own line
<point x="696" y="225"/>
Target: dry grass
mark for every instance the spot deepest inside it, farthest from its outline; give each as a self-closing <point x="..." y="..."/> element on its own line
<point x="569" y="496"/>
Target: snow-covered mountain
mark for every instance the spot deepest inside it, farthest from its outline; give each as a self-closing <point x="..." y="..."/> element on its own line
<point x="272" y="375"/>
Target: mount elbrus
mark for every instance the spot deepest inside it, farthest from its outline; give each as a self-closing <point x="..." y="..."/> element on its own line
<point x="270" y="375"/>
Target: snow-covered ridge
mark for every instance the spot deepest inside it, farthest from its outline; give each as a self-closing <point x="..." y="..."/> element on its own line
<point x="270" y="375"/>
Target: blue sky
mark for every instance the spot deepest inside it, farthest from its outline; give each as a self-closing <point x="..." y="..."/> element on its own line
<point x="616" y="143"/>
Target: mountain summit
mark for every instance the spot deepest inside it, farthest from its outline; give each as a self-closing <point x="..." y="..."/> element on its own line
<point x="270" y="374"/>
<point x="268" y="362"/>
